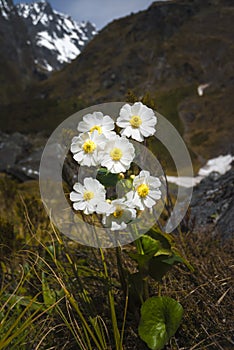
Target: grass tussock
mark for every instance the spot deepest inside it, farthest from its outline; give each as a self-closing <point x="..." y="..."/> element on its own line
<point x="57" y="294"/>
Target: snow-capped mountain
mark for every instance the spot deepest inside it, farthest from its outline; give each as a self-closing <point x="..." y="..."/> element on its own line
<point x="6" y="7"/>
<point x="56" y="38"/>
<point x="52" y="38"/>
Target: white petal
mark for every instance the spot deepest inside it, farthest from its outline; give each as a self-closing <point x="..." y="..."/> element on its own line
<point x="125" y="111"/>
<point x="123" y="123"/>
<point x="118" y="168"/>
<point x="136" y="108"/>
<point x="75" y="147"/>
<point x="79" y="205"/>
<point x="127" y="132"/>
<point x="149" y="121"/>
<point x="108" y="122"/>
<point x="147" y="131"/>
<point x="79" y="156"/>
<point x="115" y="226"/>
<point x="76" y="197"/>
<point x="89" y="209"/>
<point x="88" y="118"/>
<point x="154" y="182"/>
<point x="83" y="126"/>
<point x="136" y="135"/>
<point x="88" y="183"/>
<point x="155" y="194"/>
<point x="108" y="163"/>
<point x="75" y="139"/>
<point x="143" y="174"/>
<point x="78" y="188"/>
<point x="126" y="161"/>
<point x="109" y="134"/>
<point x="149" y="202"/>
<point x="103" y="208"/>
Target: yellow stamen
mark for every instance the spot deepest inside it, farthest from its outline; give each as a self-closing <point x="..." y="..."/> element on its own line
<point x="96" y="127"/>
<point x="143" y="190"/>
<point x="118" y="212"/>
<point x="89" y="146"/>
<point x="88" y="195"/>
<point x="116" y="154"/>
<point x="135" y="121"/>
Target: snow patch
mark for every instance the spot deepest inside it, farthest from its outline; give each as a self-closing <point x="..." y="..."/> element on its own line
<point x="44" y="39"/>
<point x="201" y="88"/>
<point x="221" y="165"/>
<point x="67" y="50"/>
<point x="5" y="9"/>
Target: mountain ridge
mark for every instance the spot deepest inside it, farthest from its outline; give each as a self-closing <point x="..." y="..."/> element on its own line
<point x="36" y="40"/>
<point x="56" y="38"/>
<point x="168" y="52"/>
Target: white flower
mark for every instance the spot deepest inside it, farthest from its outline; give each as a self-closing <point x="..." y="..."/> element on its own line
<point x="97" y="121"/>
<point x="117" y="155"/>
<point x="87" y="196"/>
<point x="146" y="191"/>
<point x="119" y="215"/>
<point x="85" y="148"/>
<point x="138" y="121"/>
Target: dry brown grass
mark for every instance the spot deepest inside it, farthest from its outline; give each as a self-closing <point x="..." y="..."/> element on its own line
<point x="206" y="294"/>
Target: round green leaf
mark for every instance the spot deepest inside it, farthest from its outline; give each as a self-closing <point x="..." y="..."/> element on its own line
<point x="160" y="319"/>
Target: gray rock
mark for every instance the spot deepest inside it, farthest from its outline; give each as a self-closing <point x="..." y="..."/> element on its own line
<point x="212" y="205"/>
<point x="12" y="148"/>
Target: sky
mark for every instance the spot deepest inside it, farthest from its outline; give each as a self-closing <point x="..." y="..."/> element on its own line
<point x="99" y="12"/>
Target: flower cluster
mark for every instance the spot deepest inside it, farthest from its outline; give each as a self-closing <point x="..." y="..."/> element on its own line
<point x="100" y="146"/>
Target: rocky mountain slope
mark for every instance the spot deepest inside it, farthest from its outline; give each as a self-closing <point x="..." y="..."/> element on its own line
<point x="169" y="50"/>
<point x="35" y="40"/>
<point x="16" y="57"/>
<point x="172" y="51"/>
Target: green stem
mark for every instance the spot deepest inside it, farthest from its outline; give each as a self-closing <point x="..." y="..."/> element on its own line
<point x="159" y="289"/>
<point x="144" y="279"/>
<point x="117" y="337"/>
<point x="121" y="271"/>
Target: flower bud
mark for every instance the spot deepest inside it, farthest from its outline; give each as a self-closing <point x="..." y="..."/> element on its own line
<point x="121" y="176"/>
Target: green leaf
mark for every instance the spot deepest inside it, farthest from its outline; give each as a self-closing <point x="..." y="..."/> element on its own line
<point x="158" y="267"/>
<point x="160" y="319"/>
<point x="153" y="247"/>
<point x="141" y="259"/>
<point x="22" y="301"/>
<point x="183" y="260"/>
<point x="107" y="179"/>
<point x="165" y="239"/>
<point x="49" y="296"/>
<point x="150" y="245"/>
<point x="136" y="285"/>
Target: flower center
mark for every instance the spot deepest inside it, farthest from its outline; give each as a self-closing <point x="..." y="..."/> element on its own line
<point x="96" y="127"/>
<point x="135" y="121"/>
<point x="118" y="212"/>
<point x="143" y="190"/>
<point x="89" y="146"/>
<point x="116" y="154"/>
<point x="88" y="195"/>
